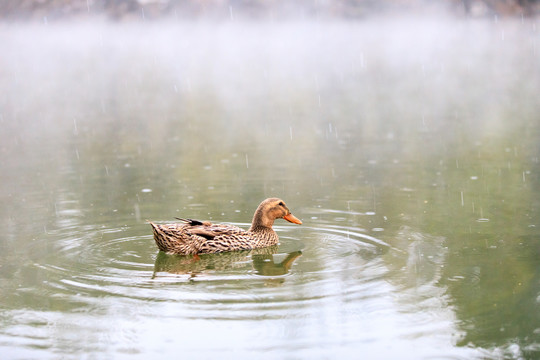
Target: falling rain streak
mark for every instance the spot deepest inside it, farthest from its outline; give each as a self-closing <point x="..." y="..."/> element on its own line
<point x="150" y="122"/>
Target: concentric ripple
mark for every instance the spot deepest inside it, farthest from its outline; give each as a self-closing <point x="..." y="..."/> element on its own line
<point x="319" y="274"/>
<point x="89" y="262"/>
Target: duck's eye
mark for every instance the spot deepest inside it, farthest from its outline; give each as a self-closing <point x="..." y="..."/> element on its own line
<point x="281" y="203"/>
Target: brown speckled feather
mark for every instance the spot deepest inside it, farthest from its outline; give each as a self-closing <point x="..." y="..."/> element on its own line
<point x="198" y="237"/>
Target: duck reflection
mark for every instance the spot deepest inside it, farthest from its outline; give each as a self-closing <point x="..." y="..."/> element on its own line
<point x="264" y="261"/>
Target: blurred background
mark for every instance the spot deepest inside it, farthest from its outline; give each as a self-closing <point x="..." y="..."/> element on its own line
<point x="258" y="9"/>
<point x="404" y="134"/>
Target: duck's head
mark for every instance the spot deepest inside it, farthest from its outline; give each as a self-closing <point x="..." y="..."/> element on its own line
<point x="270" y="210"/>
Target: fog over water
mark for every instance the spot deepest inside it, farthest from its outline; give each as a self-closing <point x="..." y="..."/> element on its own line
<point x="408" y="146"/>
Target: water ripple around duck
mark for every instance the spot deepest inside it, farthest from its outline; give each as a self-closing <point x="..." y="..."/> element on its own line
<point x="323" y="273"/>
<point x="119" y="262"/>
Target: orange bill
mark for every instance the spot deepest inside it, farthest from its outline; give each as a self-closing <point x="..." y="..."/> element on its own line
<point x="293" y="219"/>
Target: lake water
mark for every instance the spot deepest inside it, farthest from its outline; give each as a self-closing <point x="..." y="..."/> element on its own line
<point x="409" y="148"/>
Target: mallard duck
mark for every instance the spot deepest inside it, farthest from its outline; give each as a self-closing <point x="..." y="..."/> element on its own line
<point x="202" y="237"/>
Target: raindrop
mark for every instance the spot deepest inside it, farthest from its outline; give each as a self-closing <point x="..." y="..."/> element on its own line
<point x="462" y="202"/>
<point x="146" y="190"/>
<point x="247" y="161"/>
<point x="137" y="212"/>
<point x="474" y="177"/>
<point x="290" y="132"/>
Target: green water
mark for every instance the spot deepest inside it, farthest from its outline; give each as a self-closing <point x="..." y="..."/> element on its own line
<point x="408" y="148"/>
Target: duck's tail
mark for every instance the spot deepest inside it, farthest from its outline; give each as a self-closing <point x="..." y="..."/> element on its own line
<point x="162" y="237"/>
<point x="172" y="239"/>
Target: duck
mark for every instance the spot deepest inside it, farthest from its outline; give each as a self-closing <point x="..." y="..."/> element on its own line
<point x="193" y="237"/>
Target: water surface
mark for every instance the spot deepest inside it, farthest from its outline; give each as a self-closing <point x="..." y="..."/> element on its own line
<point x="408" y="148"/>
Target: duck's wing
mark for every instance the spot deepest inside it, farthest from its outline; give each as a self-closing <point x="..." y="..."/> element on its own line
<point x="193" y="222"/>
<point x="209" y="232"/>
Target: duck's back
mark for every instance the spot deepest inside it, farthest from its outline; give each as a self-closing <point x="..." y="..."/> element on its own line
<point x="196" y="237"/>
